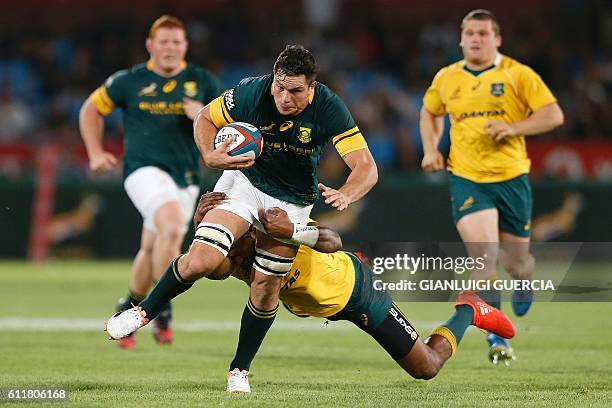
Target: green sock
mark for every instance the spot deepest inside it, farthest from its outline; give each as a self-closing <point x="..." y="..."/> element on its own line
<point x="129" y="301"/>
<point x="169" y="286"/>
<point x="253" y="328"/>
<point x="454" y="329"/>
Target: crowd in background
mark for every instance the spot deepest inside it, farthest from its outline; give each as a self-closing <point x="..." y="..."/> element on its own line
<point x="378" y="55"/>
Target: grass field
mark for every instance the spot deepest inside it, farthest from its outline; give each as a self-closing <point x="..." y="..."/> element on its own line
<point x="51" y="320"/>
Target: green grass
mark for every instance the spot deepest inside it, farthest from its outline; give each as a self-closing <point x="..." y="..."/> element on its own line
<point x="564" y="351"/>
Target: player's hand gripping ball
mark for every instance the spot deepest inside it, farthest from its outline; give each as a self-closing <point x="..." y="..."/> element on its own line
<point x="246" y="139"/>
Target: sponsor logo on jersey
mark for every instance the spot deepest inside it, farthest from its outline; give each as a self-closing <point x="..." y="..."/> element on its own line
<point x="190" y="88"/>
<point x="364" y="319"/>
<point x="304" y="135"/>
<point x="286" y="126"/>
<point x="228" y="99"/>
<point x="169" y="86"/>
<point x="478" y="114"/>
<point x="148" y="90"/>
<point x="476" y="86"/>
<point x="292" y="279"/>
<point x="403" y="322"/>
<point x="497" y="89"/>
<point x="467" y="203"/>
<point x="527" y="226"/>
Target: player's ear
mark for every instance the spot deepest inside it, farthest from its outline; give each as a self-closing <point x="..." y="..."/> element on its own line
<point x="498" y="40"/>
<point x="149" y="45"/>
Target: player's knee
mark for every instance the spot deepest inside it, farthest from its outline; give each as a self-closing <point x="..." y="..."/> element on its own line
<point x="193" y="267"/>
<point x="519" y="265"/>
<point x="265" y="291"/>
<point x="425" y="371"/>
<point x="172" y="232"/>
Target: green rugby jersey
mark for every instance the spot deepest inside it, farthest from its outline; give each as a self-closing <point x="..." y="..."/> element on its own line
<point x="287" y="167"/>
<point x="157" y="131"/>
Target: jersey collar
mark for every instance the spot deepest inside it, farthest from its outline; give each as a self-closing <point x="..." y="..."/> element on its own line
<point x="150" y="65"/>
<point x="496" y="62"/>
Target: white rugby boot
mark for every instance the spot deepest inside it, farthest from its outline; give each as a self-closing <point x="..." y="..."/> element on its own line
<point x="124" y="323"/>
<point x="238" y="381"/>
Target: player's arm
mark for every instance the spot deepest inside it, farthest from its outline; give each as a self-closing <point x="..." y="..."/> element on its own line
<point x="278" y="225"/>
<point x="91" y="125"/>
<point x="546" y="112"/>
<point x="542" y="120"/>
<point x="432" y="127"/>
<point x="204" y="132"/>
<point x="363" y="176"/>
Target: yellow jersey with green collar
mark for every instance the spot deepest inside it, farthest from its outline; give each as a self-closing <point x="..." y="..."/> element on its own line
<point x="509" y="92"/>
<point x="318" y="284"/>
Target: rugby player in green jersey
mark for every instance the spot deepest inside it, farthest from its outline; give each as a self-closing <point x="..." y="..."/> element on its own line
<point x="297" y="117"/>
<point x="159" y="100"/>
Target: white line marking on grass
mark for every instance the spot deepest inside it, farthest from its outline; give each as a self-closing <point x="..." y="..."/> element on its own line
<point x="85" y="325"/>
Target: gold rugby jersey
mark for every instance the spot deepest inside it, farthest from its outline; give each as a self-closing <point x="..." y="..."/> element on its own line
<point x="318" y="284"/>
<point x="508" y="92"/>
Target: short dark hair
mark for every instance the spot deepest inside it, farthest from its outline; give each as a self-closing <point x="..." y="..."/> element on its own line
<point x="295" y="60"/>
<point x="482" y="15"/>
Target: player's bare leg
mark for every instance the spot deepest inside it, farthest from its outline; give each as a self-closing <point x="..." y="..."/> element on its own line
<point x="480" y="233"/>
<point x="520" y="264"/>
<point x="425" y="359"/>
<point x="141" y="280"/>
<point x="169" y="221"/>
<point x="273" y="260"/>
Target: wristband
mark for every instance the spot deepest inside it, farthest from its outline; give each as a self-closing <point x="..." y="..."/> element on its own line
<point x="305" y="234"/>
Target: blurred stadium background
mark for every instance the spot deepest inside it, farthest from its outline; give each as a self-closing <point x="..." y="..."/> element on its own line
<point x="379" y="55"/>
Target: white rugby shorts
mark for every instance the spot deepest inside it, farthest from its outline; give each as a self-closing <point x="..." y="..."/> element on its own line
<point x="246" y="199"/>
<point x="150" y="187"/>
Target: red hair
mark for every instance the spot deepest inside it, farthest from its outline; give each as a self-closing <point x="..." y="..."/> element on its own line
<point x="166" y="21"/>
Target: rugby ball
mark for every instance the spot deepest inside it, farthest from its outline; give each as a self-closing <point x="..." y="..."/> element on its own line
<point x="246" y="139"/>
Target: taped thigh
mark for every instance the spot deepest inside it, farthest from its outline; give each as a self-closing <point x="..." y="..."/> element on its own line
<point x="215" y="235"/>
<point x="271" y="264"/>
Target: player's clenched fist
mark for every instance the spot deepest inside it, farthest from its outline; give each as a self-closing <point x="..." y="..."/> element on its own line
<point x="102" y="162"/>
<point x="433" y="161"/>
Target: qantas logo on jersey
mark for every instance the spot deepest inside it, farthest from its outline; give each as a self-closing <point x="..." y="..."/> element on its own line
<point x="478" y="114"/>
<point x="228" y="99"/>
<point x="292" y="280"/>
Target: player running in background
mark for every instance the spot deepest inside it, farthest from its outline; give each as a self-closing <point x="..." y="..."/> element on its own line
<point x="297" y="116"/>
<point x="159" y="100"/>
<point x="493" y="102"/>
<point x="328" y="283"/>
